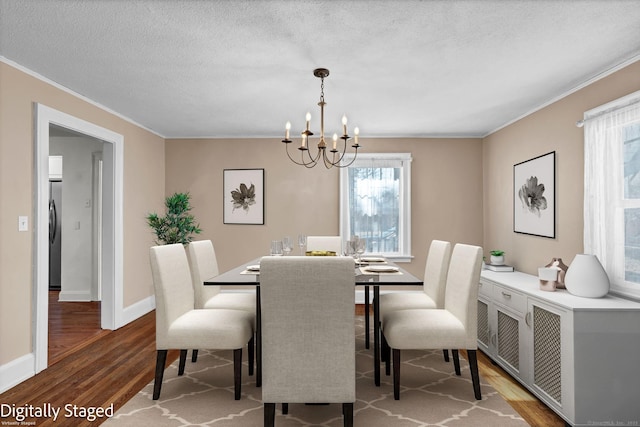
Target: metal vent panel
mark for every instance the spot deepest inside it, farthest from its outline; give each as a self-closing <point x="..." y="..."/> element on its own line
<point x="547" y="352"/>
<point x="508" y="339"/>
<point x="483" y="323"/>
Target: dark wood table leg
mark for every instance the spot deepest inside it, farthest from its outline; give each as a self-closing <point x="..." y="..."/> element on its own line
<point x="376" y="333"/>
<point x="366" y="316"/>
<point x="258" y="340"/>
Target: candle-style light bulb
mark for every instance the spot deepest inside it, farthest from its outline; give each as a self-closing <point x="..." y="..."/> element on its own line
<point x="304" y="140"/>
<point x="344" y="124"/>
<point x="335" y="140"/>
<point x="287" y="128"/>
<point x="308" y="118"/>
<point x="356" y="132"/>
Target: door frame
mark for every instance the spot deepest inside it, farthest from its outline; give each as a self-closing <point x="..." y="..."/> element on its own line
<point x="112" y="232"/>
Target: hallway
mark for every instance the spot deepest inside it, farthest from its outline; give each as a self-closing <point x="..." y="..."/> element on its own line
<point x="72" y="326"/>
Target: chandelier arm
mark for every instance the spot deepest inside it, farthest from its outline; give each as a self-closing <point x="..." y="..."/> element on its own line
<point x="327" y="163"/>
<point x="302" y="162"/>
<point x="312" y="160"/>
<point x="291" y="158"/>
<point x="355" y="154"/>
<point x="335" y="162"/>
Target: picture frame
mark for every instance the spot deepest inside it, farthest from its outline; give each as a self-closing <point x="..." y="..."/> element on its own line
<point x="243" y="196"/>
<point x="534" y="196"/>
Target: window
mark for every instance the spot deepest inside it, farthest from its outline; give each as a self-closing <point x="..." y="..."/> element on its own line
<point x="375" y="203"/>
<point x="612" y="191"/>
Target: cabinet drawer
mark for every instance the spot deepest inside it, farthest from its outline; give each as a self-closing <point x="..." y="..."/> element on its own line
<point x="510" y="298"/>
<point x="484" y="288"/>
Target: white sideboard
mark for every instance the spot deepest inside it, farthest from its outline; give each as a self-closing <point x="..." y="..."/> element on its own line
<point x="580" y="356"/>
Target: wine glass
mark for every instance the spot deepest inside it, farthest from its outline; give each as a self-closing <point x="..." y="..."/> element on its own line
<point x="287" y="246"/>
<point x="349" y="249"/>
<point x="276" y="247"/>
<point x="302" y="242"/>
<point x="360" y="248"/>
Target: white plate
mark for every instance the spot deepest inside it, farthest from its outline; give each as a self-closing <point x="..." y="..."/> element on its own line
<point x="372" y="259"/>
<point x="381" y="268"/>
<point x="255" y="267"/>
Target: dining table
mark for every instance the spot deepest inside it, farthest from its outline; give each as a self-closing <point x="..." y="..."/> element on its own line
<point x="366" y="274"/>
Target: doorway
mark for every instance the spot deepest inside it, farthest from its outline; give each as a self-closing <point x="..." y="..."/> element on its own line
<point x="111" y="246"/>
<point x="75" y="184"/>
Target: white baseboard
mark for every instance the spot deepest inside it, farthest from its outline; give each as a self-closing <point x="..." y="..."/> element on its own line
<point x="138" y="309"/>
<point x="16" y="371"/>
<point x="74" y="296"/>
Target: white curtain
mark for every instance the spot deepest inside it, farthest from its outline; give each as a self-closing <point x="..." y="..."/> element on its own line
<point x="604" y="200"/>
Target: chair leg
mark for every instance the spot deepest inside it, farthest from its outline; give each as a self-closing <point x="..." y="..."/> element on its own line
<point x="183" y="360"/>
<point x="396" y="374"/>
<point x="383" y="348"/>
<point x="445" y="352"/>
<point x="285" y="408"/>
<point x="251" y="354"/>
<point x="456" y="361"/>
<point x="161" y="359"/>
<point x="194" y="355"/>
<point x="475" y="378"/>
<point x="347" y="413"/>
<point x="385" y="353"/>
<point x="269" y="414"/>
<point x="237" y="372"/>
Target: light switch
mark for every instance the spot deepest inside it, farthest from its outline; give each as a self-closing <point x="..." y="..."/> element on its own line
<point x="23" y="223"/>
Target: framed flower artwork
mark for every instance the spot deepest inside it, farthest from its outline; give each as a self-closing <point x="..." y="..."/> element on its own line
<point x="243" y="194"/>
<point x="534" y="196"/>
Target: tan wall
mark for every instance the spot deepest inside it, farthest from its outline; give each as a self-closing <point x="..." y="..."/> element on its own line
<point x="550" y="129"/>
<point x="144" y="190"/>
<point x="446" y="192"/>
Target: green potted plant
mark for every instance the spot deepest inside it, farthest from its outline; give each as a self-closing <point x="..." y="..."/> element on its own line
<point x="497" y="257"/>
<point x="178" y="225"/>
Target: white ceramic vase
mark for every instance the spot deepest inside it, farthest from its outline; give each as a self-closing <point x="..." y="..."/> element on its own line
<point x="497" y="259"/>
<point x="586" y="277"/>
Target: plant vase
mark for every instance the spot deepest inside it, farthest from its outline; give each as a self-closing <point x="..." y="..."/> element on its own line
<point x="497" y="259"/>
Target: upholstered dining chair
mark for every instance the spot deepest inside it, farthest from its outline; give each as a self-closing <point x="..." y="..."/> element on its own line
<point x="308" y="335"/>
<point x="325" y="243"/>
<point x="180" y="326"/>
<point x="432" y="295"/>
<point x="455" y="326"/>
<point x="204" y="264"/>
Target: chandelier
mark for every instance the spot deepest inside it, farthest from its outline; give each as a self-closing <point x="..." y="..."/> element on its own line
<point x="335" y="157"/>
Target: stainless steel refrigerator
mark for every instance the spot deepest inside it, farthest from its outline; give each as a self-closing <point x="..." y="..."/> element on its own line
<point x="55" y="234"/>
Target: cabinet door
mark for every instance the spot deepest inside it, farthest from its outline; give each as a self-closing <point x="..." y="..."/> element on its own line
<point x="546" y="335"/>
<point x="484" y="331"/>
<point x="510" y="331"/>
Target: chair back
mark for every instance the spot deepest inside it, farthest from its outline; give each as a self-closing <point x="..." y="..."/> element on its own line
<point x="172" y="284"/>
<point x="325" y="243"/>
<point x="308" y="337"/>
<point x="435" y="271"/>
<point x="461" y="293"/>
<point x="203" y="265"/>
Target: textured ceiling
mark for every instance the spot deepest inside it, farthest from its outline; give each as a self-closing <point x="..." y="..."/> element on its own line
<point x="231" y="68"/>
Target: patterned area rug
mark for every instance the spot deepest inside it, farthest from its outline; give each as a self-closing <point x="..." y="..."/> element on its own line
<point x="431" y="395"/>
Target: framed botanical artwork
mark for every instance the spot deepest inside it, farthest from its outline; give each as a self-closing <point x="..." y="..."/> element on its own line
<point x="243" y="192"/>
<point x="534" y="196"/>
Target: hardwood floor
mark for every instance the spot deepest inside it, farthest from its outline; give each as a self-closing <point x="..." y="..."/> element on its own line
<point x="111" y="366"/>
<point x="72" y="325"/>
<point x="108" y="370"/>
